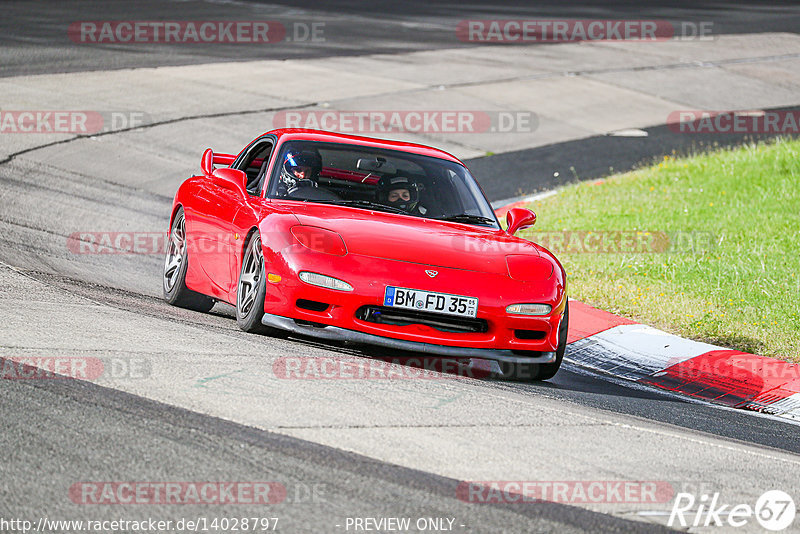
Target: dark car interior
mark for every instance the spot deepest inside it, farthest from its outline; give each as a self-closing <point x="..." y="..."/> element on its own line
<point x="351" y="175"/>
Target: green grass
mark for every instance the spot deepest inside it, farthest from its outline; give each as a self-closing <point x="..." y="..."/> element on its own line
<point x="739" y="286"/>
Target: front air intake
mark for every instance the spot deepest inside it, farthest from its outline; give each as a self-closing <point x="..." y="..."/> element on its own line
<point x="312" y="305"/>
<point x="401" y="317"/>
<point x="530" y="334"/>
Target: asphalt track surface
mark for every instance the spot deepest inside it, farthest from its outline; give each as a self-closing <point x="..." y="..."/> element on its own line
<point x="34" y="41"/>
<point x="522" y="172"/>
<point x="147" y="440"/>
<point x="66" y="431"/>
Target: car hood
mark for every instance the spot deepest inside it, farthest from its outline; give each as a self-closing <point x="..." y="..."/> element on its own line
<point x="415" y="239"/>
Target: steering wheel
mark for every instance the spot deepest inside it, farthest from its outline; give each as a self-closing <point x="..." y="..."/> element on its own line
<point x="307" y="190"/>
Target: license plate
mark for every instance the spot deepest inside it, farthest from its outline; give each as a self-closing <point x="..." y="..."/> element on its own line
<point x="416" y="299"/>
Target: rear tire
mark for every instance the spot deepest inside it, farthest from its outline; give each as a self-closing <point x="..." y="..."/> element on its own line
<point x="540" y="371"/>
<point x="251" y="290"/>
<point x="176" y="262"/>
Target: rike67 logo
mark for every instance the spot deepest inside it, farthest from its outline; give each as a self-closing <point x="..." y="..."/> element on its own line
<point x="774" y="510"/>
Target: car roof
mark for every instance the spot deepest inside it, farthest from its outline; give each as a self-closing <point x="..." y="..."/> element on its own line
<point x="286" y="134"/>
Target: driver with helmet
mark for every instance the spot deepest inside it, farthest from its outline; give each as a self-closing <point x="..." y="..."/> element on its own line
<point x="400" y="192"/>
<point x="299" y="169"/>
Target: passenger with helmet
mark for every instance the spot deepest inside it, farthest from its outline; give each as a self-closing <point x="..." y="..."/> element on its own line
<point x="299" y="169"/>
<point x="400" y="192"/>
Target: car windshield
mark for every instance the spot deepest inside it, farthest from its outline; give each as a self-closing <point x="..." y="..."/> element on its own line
<point x="377" y="179"/>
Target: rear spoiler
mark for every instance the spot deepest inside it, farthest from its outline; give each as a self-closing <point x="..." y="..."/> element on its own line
<point x="224" y="159"/>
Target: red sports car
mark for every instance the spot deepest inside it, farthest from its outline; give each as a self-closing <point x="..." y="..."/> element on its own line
<point x="356" y="239"/>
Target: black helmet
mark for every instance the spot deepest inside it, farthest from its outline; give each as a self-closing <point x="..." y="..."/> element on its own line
<point x="307" y="162"/>
<point x="402" y="201"/>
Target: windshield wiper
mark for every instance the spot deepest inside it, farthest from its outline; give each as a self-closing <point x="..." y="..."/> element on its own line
<point x="362" y="204"/>
<point x="469" y="219"/>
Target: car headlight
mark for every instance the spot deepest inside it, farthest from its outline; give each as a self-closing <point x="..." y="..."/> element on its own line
<point x="529" y="309"/>
<point x="529" y="268"/>
<point x="319" y="239"/>
<point x="329" y="282"/>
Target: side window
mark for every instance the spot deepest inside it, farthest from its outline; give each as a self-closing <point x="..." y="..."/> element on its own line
<point x="255" y="164"/>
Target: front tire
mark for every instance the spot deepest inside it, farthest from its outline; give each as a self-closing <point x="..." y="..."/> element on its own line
<point x="176" y="262"/>
<point x="541" y="371"/>
<point x="251" y="290"/>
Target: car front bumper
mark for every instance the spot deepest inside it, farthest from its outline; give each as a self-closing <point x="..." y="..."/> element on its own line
<point x="335" y="333"/>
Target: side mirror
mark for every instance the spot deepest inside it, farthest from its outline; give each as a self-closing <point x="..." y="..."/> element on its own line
<point x="207" y="162"/>
<point x="519" y="218"/>
<point x="231" y="179"/>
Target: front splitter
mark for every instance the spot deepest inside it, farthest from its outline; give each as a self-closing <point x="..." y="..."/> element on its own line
<point x="335" y="333"/>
